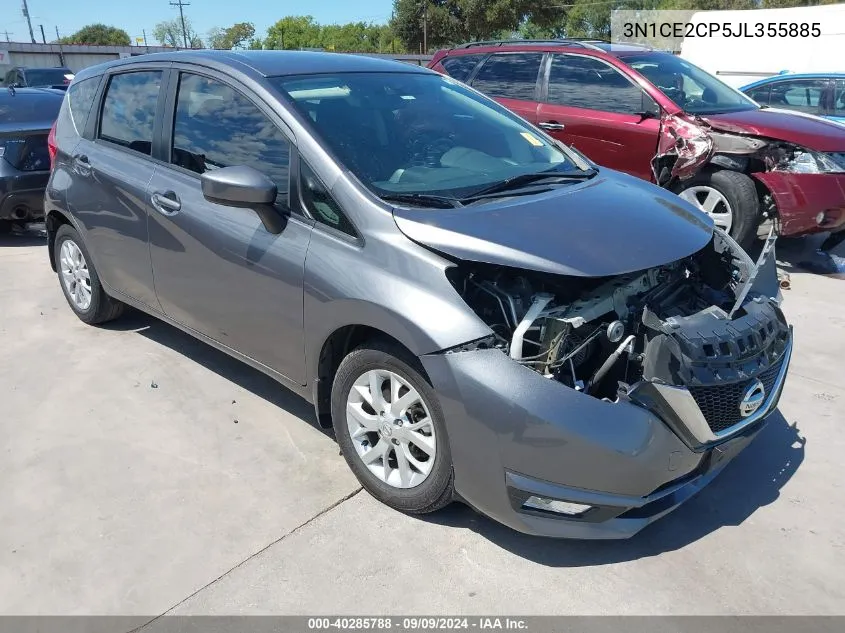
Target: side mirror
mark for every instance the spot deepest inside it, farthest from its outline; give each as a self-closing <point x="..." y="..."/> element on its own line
<point x="238" y="186"/>
<point x="242" y="186"/>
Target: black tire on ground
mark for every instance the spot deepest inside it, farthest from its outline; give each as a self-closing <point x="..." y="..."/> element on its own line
<point x="741" y="194"/>
<point x="437" y="490"/>
<point x="103" y="307"/>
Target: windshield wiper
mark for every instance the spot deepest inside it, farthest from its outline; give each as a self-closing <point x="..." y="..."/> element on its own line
<point x="526" y="179"/>
<point x="423" y="200"/>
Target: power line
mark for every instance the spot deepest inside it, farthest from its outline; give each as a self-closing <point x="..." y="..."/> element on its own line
<point x="181" y="4"/>
<point x="7" y="34"/>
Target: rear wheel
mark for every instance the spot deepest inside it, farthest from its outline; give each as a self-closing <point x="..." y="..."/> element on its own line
<point x="729" y="197"/>
<point x="389" y="425"/>
<point x="79" y="280"/>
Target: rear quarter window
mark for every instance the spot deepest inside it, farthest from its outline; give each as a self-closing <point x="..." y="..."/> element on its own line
<point x="509" y="75"/>
<point x="460" y="67"/>
<point x="81" y="97"/>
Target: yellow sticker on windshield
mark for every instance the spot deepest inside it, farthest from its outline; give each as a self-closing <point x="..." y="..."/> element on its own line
<point x="528" y="136"/>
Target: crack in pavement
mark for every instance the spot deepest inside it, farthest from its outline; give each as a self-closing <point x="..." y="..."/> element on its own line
<point x="792" y="372"/>
<point x="251" y="556"/>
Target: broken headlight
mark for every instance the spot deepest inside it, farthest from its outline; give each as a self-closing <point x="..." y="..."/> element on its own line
<point x="806" y="161"/>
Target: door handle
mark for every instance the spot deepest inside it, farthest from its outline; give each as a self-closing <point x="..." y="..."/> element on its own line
<point x="166" y="202"/>
<point x="551" y="125"/>
<point x="81" y="165"/>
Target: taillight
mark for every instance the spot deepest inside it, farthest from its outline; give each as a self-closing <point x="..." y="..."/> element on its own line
<point x="52" y="149"/>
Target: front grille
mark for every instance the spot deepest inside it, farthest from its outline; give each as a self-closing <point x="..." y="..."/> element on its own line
<point x="720" y="403"/>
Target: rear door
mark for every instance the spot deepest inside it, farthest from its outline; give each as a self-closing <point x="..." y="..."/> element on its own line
<point x="589" y="104"/>
<point x="513" y="80"/>
<point x="111" y="169"/>
<point x="217" y="268"/>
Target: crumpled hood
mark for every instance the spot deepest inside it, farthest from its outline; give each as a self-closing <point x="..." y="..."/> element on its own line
<point x="609" y="225"/>
<point x="801" y="129"/>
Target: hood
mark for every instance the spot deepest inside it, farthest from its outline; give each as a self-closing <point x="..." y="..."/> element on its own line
<point x="609" y="225"/>
<point x="806" y="130"/>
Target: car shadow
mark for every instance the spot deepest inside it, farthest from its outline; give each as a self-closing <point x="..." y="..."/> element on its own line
<point x="27" y="237"/>
<point x="220" y="363"/>
<point x="802" y="255"/>
<point x="751" y="481"/>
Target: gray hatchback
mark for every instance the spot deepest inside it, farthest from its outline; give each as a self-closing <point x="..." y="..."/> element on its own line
<point x="480" y="312"/>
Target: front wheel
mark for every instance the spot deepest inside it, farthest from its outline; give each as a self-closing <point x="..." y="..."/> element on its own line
<point x="729" y="197"/>
<point x="389" y="425"/>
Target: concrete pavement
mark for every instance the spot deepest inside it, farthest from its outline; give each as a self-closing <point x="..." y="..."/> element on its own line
<point x="142" y="472"/>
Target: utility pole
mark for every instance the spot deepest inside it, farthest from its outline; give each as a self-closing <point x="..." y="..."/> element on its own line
<point x="25" y="9"/>
<point x="59" y="42"/>
<point x="144" y="31"/>
<point x="425" y="27"/>
<point x="181" y="4"/>
<point x="7" y="34"/>
<point x="43" y="37"/>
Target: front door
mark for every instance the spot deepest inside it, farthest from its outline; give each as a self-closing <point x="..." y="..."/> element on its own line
<point x="217" y="269"/>
<point x="593" y="107"/>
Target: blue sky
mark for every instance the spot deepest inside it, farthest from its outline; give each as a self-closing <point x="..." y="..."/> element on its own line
<point x="135" y="15"/>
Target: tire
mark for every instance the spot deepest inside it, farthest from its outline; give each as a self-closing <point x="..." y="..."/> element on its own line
<point x="414" y="493"/>
<point x="5" y="227"/>
<point x="100" y="308"/>
<point x="737" y="190"/>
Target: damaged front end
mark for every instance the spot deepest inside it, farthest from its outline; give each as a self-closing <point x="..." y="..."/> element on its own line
<point x="701" y="341"/>
<point x="796" y="190"/>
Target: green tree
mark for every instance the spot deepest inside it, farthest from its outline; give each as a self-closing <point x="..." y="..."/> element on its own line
<point x="293" y="32"/>
<point x="255" y="44"/>
<point x="236" y="36"/>
<point x="98" y="34"/>
<point x="169" y="33"/>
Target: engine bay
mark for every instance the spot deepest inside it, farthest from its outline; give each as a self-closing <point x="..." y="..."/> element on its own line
<point x="694" y="321"/>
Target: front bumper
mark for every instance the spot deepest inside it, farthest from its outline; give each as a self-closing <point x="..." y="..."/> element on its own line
<point x="800" y="198"/>
<point x="514" y="434"/>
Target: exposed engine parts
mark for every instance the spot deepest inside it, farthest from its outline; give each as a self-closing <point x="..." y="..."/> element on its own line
<point x="696" y="321"/>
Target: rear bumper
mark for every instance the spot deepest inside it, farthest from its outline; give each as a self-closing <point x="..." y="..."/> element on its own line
<point x="515" y="434"/>
<point x="800" y="198"/>
<point x="22" y="195"/>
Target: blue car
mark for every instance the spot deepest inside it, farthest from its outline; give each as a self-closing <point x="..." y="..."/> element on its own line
<point x="822" y="94"/>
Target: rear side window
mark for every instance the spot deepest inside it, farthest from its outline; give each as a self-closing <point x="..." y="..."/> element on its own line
<point x="460" y="67"/>
<point x="216" y="126"/>
<point x="509" y="75"/>
<point x="584" y="82"/>
<point x="129" y="110"/>
<point x="80" y="96"/>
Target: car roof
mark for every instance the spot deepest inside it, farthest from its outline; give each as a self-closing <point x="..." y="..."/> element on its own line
<point x="766" y="80"/>
<point x="575" y="45"/>
<point x="270" y="63"/>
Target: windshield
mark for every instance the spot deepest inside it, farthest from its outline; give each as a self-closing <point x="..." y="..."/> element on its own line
<point x="424" y="134"/>
<point x="48" y="76"/>
<point x="693" y="89"/>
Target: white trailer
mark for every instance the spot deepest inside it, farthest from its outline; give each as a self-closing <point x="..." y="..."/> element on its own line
<point x="740" y="60"/>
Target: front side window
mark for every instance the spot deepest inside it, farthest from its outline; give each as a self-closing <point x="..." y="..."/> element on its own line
<point x="421" y="132"/>
<point x="216" y="126"/>
<point x="801" y="95"/>
<point x="585" y="82"/>
<point x="694" y="90"/>
<point x="320" y="203"/>
<point x="129" y="110"/>
<point x="760" y="94"/>
<point x="839" y="98"/>
<point x="509" y="75"/>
